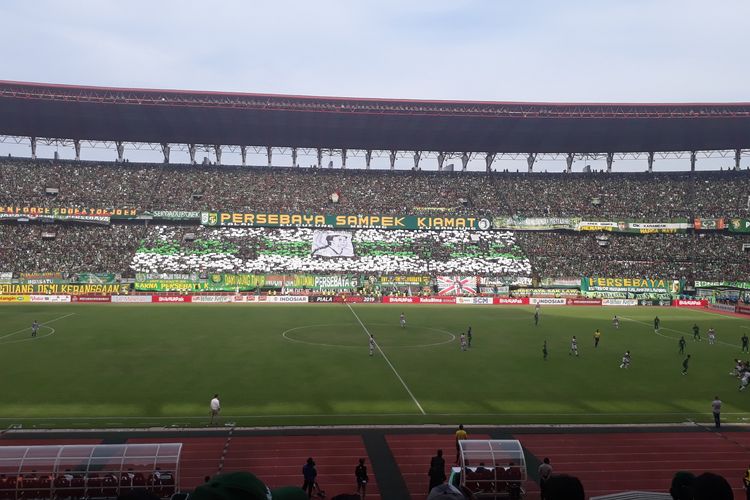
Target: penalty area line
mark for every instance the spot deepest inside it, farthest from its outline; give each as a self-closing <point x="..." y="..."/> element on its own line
<point x="369" y="335"/>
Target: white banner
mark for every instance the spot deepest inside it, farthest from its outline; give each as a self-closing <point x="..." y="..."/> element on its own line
<point x="132" y="298"/>
<point x="49" y="298"/>
<point x="212" y="299"/>
<point x="332" y="244"/>
<point x="286" y="298"/>
<point x="620" y="302"/>
<point x="549" y="301"/>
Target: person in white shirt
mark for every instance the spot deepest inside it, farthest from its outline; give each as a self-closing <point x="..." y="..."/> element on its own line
<point x="215" y="407"/>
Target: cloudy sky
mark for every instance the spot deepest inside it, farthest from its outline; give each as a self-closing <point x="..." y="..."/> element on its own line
<point x="573" y="51"/>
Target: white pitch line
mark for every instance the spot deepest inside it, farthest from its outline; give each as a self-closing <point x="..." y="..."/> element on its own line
<point x="40" y="324"/>
<point x="369" y="335"/>
<point x="676" y="331"/>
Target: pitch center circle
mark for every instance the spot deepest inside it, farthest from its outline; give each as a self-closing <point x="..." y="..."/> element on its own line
<point x="350" y="335"/>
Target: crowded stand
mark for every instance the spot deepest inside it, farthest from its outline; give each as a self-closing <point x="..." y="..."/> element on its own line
<point x="265" y="250"/>
<point x="304" y="190"/>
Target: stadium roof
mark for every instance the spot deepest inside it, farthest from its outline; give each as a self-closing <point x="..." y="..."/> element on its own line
<point x="213" y="118"/>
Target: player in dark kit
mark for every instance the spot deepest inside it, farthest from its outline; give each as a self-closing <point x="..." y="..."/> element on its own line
<point x="682" y="343"/>
<point x="34" y="328"/>
<point x="744" y="340"/>
<point x="544" y="350"/>
<point x="685" y="365"/>
<point x="468" y="337"/>
<point x="536" y="317"/>
<point x="696" y="332"/>
<point x="657" y="321"/>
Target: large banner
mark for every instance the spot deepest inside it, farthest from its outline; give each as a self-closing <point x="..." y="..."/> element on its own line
<point x="255" y="219"/>
<point x="173" y="215"/>
<point x="534" y="223"/>
<point x="739" y="225"/>
<point x="745" y="285"/>
<point x="457" y="285"/>
<point x="388" y="280"/>
<point x="635" y="285"/>
<point x="332" y="244"/>
<point x="629" y="226"/>
<point x="245" y="282"/>
<point x="97" y="215"/>
<point x="59" y="289"/>
<point x="701" y="224"/>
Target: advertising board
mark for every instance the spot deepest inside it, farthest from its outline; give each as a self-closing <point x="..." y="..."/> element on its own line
<point x="287" y="298"/>
<point x="132" y="299"/>
<point x="401" y="300"/>
<point x="14" y="298"/>
<point x="548" y="301"/>
<point x="212" y="299"/>
<point x="49" y="298"/>
<point x="510" y="301"/>
<point x="584" y="302"/>
<point x="173" y="299"/>
<point x="620" y="302"/>
<point x="91" y="298"/>
<point x="689" y="303"/>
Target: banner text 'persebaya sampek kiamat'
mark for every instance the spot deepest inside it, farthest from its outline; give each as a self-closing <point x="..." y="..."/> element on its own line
<point x="342" y="221"/>
<point x="630" y="284"/>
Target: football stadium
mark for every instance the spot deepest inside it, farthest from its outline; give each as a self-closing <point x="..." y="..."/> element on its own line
<point x="337" y="291"/>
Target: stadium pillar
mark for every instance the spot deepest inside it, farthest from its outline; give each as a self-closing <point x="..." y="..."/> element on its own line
<point x="77" y="146"/>
<point x="441" y="160"/>
<point x="569" y="161"/>
<point x="269" y="154"/>
<point x="368" y="158"/>
<point x="294" y="157"/>
<point x="191" y="151"/>
<point x="320" y="157"/>
<point x="243" y="154"/>
<point x="464" y="161"/>
<point x="737" y="156"/>
<point x="488" y="159"/>
<point x="530" y="161"/>
<point x="33" y="147"/>
<point x="417" y="157"/>
<point x="217" y="152"/>
<point x="651" y="162"/>
<point x="610" y="160"/>
<point x="393" y="158"/>
<point x="120" y="151"/>
<point x="693" y="160"/>
<point x="165" y="151"/>
<point x="343" y="157"/>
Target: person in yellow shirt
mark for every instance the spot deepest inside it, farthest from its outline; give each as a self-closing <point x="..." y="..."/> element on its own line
<point x="597" y="335"/>
<point x="746" y="482"/>
<point x="461" y="434"/>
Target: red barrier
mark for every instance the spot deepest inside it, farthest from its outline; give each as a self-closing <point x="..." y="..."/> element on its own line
<point x="172" y="298"/>
<point x="742" y="309"/>
<point x="437" y="300"/>
<point x="91" y="298"/>
<point x="689" y="303"/>
<point x="584" y="302"/>
<point x="512" y="301"/>
<point x="401" y="300"/>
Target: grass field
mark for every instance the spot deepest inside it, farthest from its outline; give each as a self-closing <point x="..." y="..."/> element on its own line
<point x="133" y="365"/>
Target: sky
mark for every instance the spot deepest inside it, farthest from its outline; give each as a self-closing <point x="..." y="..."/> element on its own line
<point x="494" y="50"/>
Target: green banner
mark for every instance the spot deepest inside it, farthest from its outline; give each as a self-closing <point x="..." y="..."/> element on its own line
<point x="247" y="282"/>
<point x="255" y="219"/>
<point x="634" y="284"/>
<point x="739" y="225"/>
<point x="173" y="215"/>
<point x="388" y="280"/>
<point x="535" y="223"/>
<point x="723" y="284"/>
<point x="98" y="278"/>
<point x="60" y="289"/>
<point x="97" y="215"/>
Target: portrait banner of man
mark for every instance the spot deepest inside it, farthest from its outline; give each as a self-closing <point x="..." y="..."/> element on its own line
<point x="332" y="244"/>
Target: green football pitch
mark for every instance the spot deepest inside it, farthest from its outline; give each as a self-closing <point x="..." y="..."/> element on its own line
<point x="148" y="365"/>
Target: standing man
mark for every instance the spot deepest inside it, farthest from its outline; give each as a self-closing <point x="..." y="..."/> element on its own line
<point x="685" y="365"/>
<point x="468" y="337"/>
<point x="597" y="335"/>
<point x="309" y="475"/>
<point x="360" y="472"/>
<point x="402" y="320"/>
<point x="461" y="434"/>
<point x="696" y="332"/>
<point x="573" y="347"/>
<point x="746" y="482"/>
<point x="437" y="470"/>
<point x="744" y="340"/>
<point x="545" y="472"/>
<point x="215" y="408"/>
<point x="682" y="343"/>
<point x="711" y="336"/>
<point x="616" y="322"/>
<point x="716" y="410"/>
<point x="657" y="322"/>
<point x="544" y="350"/>
<point x="536" y="315"/>
<point x="462" y="339"/>
<point x="34" y="328"/>
<point x="372" y="345"/>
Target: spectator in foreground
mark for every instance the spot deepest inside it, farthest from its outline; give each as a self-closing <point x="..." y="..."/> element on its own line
<point x="243" y="486"/>
<point x="309" y="474"/>
<point x="564" y="487"/>
<point x="682" y="486"/>
<point x="709" y="486"/>
<point x="545" y="472"/>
